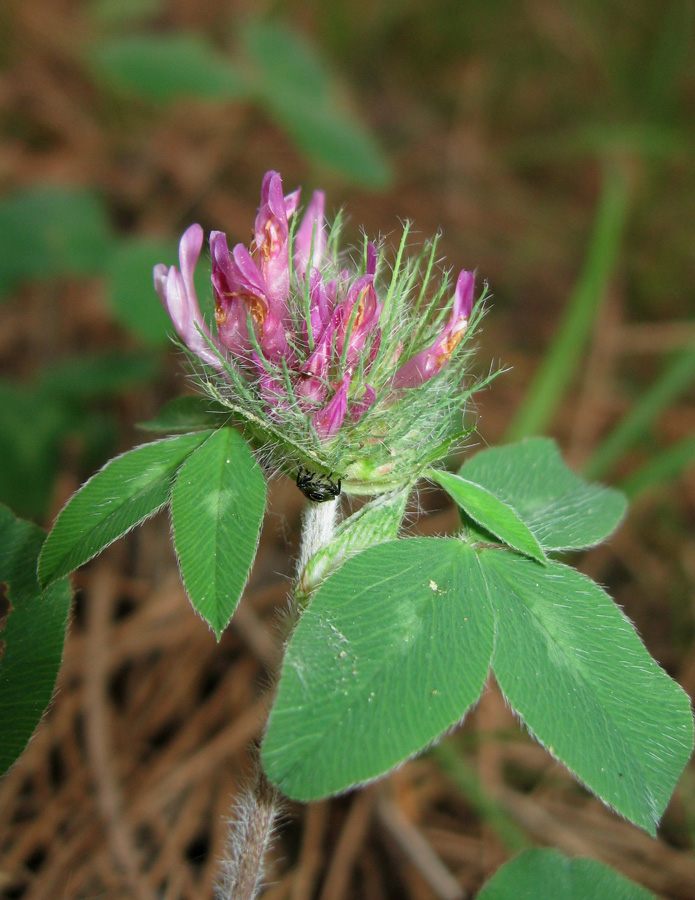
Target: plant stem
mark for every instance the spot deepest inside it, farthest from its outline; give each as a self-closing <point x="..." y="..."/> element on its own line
<point x="318" y="526"/>
<point x="252" y="823"/>
<point x="249" y="837"/>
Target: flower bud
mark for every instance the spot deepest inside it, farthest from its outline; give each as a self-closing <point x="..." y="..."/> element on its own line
<point x="311" y="233"/>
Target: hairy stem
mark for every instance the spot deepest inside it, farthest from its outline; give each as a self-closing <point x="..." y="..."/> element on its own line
<point x="317" y="530"/>
<point x="250" y="834"/>
<point x="252" y="822"/>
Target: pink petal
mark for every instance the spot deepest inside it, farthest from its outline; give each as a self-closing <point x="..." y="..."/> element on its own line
<point x="463" y="297"/>
<point x="272" y="237"/>
<point x="430" y="361"/>
<point x="372" y="257"/>
<point x="360" y="306"/>
<point x="312" y="229"/>
<point x="176" y="290"/>
<point x="328" y="421"/>
<point x="189" y="251"/>
<point x="292" y="202"/>
<point x="359" y="407"/>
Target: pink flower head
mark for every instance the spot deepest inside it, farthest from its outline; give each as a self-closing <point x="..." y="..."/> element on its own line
<point x="312" y="231"/>
<point x="431" y="361"/>
<point x="176" y="290"/>
<point x="272" y="236"/>
<point x="306" y="345"/>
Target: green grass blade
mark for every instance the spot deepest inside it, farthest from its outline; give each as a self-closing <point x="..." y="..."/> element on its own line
<point x="675" y="378"/>
<point x="563" y="356"/>
<point x="663" y="467"/>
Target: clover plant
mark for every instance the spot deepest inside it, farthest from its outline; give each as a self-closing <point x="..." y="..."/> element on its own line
<point x="350" y="374"/>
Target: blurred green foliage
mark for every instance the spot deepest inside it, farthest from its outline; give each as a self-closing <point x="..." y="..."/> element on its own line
<point x="59" y="413"/>
<point x="274" y="68"/>
<point x="164" y="68"/>
<point x="296" y="87"/>
<point x="51" y="232"/>
<point x="128" y="269"/>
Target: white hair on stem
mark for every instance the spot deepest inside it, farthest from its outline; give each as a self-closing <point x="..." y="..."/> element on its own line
<point x="251" y="831"/>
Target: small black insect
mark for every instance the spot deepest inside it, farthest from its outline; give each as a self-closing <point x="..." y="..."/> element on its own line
<point x="316" y="486"/>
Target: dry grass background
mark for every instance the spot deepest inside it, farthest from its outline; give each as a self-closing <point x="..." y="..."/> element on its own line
<point x="124" y="790"/>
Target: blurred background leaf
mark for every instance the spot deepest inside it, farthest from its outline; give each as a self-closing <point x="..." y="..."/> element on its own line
<point x="298" y="90"/>
<point x="58" y="415"/>
<point x="115" y="14"/>
<point x="49" y="232"/>
<point x="164" y="68"/>
<point x="129" y="270"/>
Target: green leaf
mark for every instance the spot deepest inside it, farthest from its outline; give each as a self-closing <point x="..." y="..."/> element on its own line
<point x="217" y="506"/>
<point x="393" y="649"/>
<point x="491" y="513"/>
<point x="548" y="875"/>
<point x="131" y="293"/>
<point x="560" y="508"/>
<point x="129" y="489"/>
<point x="572" y="666"/>
<point x="297" y="88"/>
<point x="163" y="67"/>
<point x="51" y="232"/>
<point x="32" y="632"/>
<point x="184" y="414"/>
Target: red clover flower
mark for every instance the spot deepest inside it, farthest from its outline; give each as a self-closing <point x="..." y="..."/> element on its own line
<point x="326" y="363"/>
